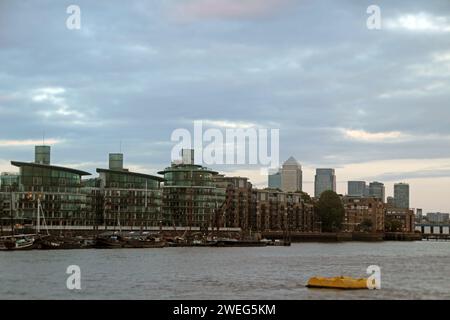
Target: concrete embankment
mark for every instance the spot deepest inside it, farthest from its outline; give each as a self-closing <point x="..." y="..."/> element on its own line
<point x="402" y="236"/>
<point x="342" y="236"/>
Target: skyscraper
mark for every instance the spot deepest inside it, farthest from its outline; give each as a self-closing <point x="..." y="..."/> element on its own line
<point x="401" y="195"/>
<point x="390" y="201"/>
<point x="291" y="175"/>
<point x="377" y="190"/>
<point x="325" y="179"/>
<point x="356" y="188"/>
<point x="274" y="179"/>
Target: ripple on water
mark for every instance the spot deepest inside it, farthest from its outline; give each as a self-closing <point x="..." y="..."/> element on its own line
<point x="410" y="270"/>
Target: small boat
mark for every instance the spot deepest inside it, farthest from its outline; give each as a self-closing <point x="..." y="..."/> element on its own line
<point x="338" y="283"/>
<point x="143" y="243"/>
<point x="276" y="242"/>
<point x="62" y="243"/>
<point x="226" y="242"/>
<point x="24" y="243"/>
<point x="109" y="242"/>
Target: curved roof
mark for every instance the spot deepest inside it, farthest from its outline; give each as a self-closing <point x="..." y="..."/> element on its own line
<point x="186" y="167"/>
<point x="38" y="165"/>
<point x="137" y="174"/>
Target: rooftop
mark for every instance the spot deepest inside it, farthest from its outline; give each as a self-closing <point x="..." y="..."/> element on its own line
<point x="47" y="166"/>
<point x="137" y="174"/>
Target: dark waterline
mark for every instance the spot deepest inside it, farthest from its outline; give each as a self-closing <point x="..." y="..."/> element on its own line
<point x="409" y="270"/>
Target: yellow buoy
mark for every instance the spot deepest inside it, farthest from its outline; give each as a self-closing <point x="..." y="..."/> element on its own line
<point x="337" y="283"/>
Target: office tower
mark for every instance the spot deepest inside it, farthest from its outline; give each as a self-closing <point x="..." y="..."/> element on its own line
<point x="390" y="201"/>
<point x="274" y="179"/>
<point x="291" y="176"/>
<point x="356" y="188"/>
<point x="325" y="179"/>
<point x="401" y="195"/>
<point x="377" y="190"/>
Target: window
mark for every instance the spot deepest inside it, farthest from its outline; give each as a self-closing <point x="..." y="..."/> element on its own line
<point x="37" y="181"/>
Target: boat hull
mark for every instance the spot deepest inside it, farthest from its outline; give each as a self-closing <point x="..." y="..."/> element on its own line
<point x="13" y="245"/>
<point x="344" y="283"/>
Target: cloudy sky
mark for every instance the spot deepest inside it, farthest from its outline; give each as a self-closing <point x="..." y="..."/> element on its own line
<point x="374" y="104"/>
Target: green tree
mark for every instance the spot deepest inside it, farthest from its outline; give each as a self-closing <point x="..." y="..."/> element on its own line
<point x="366" y="225"/>
<point x="306" y="197"/>
<point x="331" y="211"/>
<point x="393" y="226"/>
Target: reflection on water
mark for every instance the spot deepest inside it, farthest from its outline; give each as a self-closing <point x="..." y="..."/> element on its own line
<point x="409" y="270"/>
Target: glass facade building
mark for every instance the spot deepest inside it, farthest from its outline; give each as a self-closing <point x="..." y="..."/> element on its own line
<point x="356" y="188"/>
<point x="325" y="179"/>
<point x="59" y="191"/>
<point x="401" y="195"/>
<point x="190" y="196"/>
<point x="377" y="190"/>
<point x="129" y="198"/>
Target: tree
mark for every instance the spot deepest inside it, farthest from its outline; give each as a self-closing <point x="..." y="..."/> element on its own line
<point x="393" y="226"/>
<point x="305" y="197"/>
<point x="331" y="211"/>
<point x="366" y="225"/>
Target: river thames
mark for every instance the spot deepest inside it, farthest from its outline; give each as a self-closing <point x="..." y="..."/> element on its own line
<point x="409" y="270"/>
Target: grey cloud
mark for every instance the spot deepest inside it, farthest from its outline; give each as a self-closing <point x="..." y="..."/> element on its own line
<point x="136" y="75"/>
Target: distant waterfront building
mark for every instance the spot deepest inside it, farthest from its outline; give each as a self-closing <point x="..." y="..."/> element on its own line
<point x="438" y="217"/>
<point x="190" y="195"/>
<point x="405" y="217"/>
<point x="235" y="211"/>
<point x="59" y="191"/>
<point x="274" y="210"/>
<point x="128" y="198"/>
<point x="362" y="209"/>
<point x="325" y="179"/>
<point x="356" y="188"/>
<point x="9" y="181"/>
<point x="274" y="179"/>
<point x="291" y="176"/>
<point x="118" y="199"/>
<point x="401" y="195"/>
<point x="377" y="190"/>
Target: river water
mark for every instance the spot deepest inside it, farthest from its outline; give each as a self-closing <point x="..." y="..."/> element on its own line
<point x="409" y="270"/>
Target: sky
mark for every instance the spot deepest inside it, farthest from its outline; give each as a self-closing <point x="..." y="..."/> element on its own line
<point x="374" y="104"/>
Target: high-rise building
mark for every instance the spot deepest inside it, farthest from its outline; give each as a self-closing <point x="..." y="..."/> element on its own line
<point x="401" y="195"/>
<point x="274" y="179"/>
<point x="325" y="179"/>
<point x="291" y="176"/>
<point x="356" y="188"/>
<point x="390" y="201"/>
<point x="377" y="190"/>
